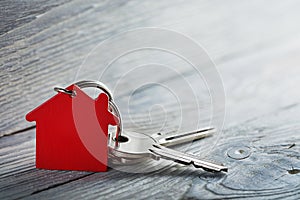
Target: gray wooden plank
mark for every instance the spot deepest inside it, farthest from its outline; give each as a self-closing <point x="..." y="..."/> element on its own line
<point x="266" y="173"/>
<point x="55" y="44"/>
<point x="17" y="154"/>
<point x="256" y="53"/>
<point x="18" y="13"/>
<point x="18" y="175"/>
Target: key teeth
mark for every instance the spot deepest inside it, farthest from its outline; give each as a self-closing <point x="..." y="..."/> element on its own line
<point x="183" y="163"/>
<point x="224" y="169"/>
<point x="216" y="170"/>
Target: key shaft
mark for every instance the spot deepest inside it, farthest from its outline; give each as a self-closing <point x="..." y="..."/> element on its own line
<point x="186" y="159"/>
<point x="182" y="138"/>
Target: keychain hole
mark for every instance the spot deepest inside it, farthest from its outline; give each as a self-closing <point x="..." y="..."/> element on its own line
<point x="122" y="139"/>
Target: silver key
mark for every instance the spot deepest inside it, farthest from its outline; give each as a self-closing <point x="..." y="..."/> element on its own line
<point x="167" y="139"/>
<point x="137" y="145"/>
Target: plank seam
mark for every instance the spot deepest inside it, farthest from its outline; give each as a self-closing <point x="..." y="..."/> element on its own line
<point x="58" y="184"/>
<point x="18" y="131"/>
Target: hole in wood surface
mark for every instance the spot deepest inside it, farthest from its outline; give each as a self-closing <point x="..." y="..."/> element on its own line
<point x="294" y="171"/>
<point x="239" y="152"/>
<point x="292" y="145"/>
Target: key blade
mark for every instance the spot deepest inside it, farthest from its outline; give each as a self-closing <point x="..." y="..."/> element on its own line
<point x="182" y="138"/>
<point x="186" y="159"/>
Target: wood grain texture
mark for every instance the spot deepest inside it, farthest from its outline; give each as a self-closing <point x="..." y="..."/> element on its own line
<point x="265" y="174"/>
<point x="255" y="46"/>
<point x="19" y="177"/>
<point x="56" y="43"/>
<point x="18" y="13"/>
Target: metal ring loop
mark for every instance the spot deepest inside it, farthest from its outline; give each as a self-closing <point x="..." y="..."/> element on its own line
<point x="63" y="90"/>
<point x="96" y="84"/>
<point x="117" y="112"/>
<point x="113" y="106"/>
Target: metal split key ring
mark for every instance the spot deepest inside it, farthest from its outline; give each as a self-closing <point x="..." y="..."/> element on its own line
<point x="103" y="87"/>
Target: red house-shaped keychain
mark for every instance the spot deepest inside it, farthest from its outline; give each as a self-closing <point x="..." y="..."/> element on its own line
<point x="71" y="132"/>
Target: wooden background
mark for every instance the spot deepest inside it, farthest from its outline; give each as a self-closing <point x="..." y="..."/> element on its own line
<point x="255" y="46"/>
